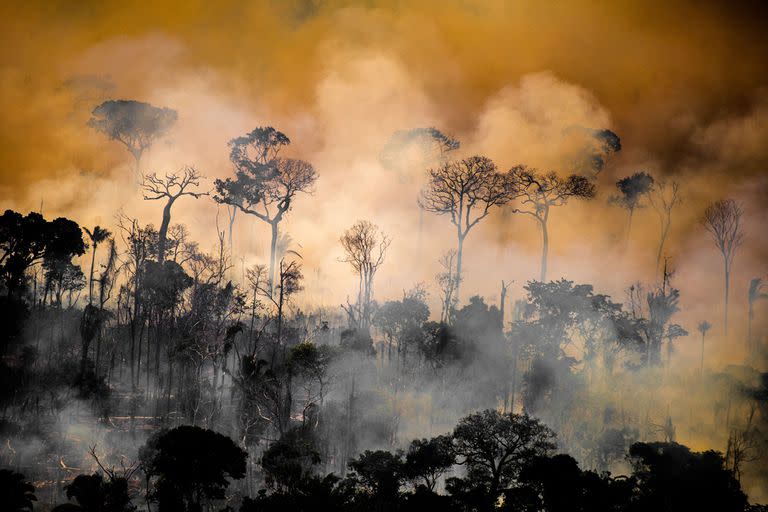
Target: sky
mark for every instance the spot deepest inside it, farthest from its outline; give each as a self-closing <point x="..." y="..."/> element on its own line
<point x="683" y="84"/>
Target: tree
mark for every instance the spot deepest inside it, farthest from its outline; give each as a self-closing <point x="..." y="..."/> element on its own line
<point x="365" y="246"/>
<point x="95" y="494"/>
<point x="170" y="188"/>
<point x="495" y="447"/>
<point x="664" y="196"/>
<point x="381" y="474"/>
<point x="466" y="190"/>
<point x="134" y="124"/>
<point x="722" y="219"/>
<point x="97" y="236"/>
<point x="429" y="459"/>
<point x="672" y="477"/>
<point x="756" y="292"/>
<point x="29" y="239"/>
<point x="264" y="185"/>
<point x="539" y="192"/>
<point x="16" y="494"/>
<point x="190" y="467"/>
<point x="632" y="189"/>
<point x="703" y="328"/>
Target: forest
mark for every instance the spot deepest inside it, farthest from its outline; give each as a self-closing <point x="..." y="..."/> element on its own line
<point x="379" y="302"/>
<point x="204" y="391"/>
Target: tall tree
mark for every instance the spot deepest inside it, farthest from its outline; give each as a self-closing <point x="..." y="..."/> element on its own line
<point x="170" y="188"/>
<point x="264" y="185"/>
<point x="632" y="190"/>
<point x="664" y="196"/>
<point x="466" y="190"/>
<point x="539" y="192"/>
<point x="97" y="236"/>
<point x="134" y="124"/>
<point x="365" y="246"/>
<point x="722" y="219"/>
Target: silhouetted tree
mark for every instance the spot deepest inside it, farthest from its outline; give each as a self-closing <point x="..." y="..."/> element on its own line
<point x="428" y="459"/>
<point x="495" y="447"/>
<point x="365" y="246"/>
<point x="594" y="148"/>
<point x="380" y="474"/>
<point x="16" y="494"/>
<point x="664" y="196"/>
<point x="722" y="219"/>
<point x="134" y="124"/>
<point x="95" y="494"/>
<point x="264" y="185"/>
<point x="539" y="192"/>
<point x="190" y="467"/>
<point x="97" y="236"/>
<point x="446" y="280"/>
<point x="170" y="188"/>
<point x="632" y="189"/>
<point x="672" y="477"/>
<point x="466" y="190"/>
<point x="30" y="239"/>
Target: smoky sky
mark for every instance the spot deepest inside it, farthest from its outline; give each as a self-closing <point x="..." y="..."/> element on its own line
<point x="683" y="83"/>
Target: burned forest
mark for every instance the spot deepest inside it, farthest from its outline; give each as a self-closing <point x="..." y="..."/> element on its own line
<point x="383" y="256"/>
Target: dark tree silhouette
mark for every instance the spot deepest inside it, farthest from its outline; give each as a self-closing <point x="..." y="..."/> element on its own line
<point x="95" y="494"/>
<point x="495" y="447"/>
<point x="134" y="124"/>
<point x="722" y="219"/>
<point x="672" y="477"/>
<point x="632" y="189"/>
<point x="97" y="236"/>
<point x="365" y="246"/>
<point x="170" y="188"/>
<point x="27" y="240"/>
<point x="664" y="196"/>
<point x="539" y="192"/>
<point x="16" y="494"/>
<point x="428" y="459"/>
<point x="264" y="185"/>
<point x="190" y="467"/>
<point x="466" y="190"/>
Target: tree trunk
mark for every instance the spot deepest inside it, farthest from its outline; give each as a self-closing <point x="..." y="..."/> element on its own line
<point x="701" y="367"/>
<point x="727" y="288"/>
<point x="90" y="277"/>
<point x="544" y="250"/>
<point x="272" y="255"/>
<point x="459" y="254"/>
<point x="162" y="234"/>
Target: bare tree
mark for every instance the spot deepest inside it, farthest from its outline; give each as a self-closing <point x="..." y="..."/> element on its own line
<point x="170" y="188"/>
<point x="133" y="123"/>
<point x="365" y="247"/>
<point x="466" y="190"/>
<point x="722" y="219"/>
<point x="539" y="192"/>
<point x="664" y="196"/>
<point x="97" y="236"/>
<point x="264" y="185"/>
